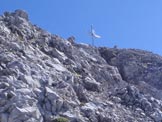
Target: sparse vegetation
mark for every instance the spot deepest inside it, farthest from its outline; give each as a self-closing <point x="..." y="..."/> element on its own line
<point x="61" y="119"/>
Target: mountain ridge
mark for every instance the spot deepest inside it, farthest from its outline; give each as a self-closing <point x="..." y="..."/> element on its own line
<point x="45" y="78"/>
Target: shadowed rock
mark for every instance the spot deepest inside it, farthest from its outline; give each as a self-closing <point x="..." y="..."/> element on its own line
<point x="45" y="78"/>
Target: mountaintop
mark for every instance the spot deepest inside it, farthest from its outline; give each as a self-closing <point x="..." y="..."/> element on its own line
<point x="45" y="78"/>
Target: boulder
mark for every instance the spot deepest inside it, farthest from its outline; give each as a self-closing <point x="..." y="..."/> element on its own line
<point x="22" y="14"/>
<point x="91" y="84"/>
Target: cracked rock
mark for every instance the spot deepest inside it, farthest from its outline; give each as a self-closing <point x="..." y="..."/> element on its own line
<point x="45" y="78"/>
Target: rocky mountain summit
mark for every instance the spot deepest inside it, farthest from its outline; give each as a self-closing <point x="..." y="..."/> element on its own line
<point x="45" y="78"/>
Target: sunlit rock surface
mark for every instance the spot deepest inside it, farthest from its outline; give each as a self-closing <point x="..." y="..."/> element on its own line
<point x="45" y="78"/>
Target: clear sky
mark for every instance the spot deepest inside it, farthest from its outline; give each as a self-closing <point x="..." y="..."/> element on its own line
<point x="125" y="23"/>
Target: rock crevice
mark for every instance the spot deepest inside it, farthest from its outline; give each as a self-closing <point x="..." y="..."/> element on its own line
<point x="45" y="78"/>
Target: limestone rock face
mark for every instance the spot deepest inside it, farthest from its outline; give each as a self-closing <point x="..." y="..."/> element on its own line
<point x="45" y="78"/>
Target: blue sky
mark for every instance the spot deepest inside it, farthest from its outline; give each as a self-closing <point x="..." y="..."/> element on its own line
<point x="125" y="23"/>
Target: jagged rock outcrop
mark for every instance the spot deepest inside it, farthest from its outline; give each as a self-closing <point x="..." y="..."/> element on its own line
<point x="137" y="67"/>
<point x="45" y="78"/>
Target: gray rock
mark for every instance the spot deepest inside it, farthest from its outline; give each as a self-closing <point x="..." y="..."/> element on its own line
<point x="81" y="93"/>
<point x="4" y="117"/>
<point x="15" y="46"/>
<point x="142" y="64"/>
<point x="157" y="116"/>
<point x="71" y="116"/>
<point x="51" y="95"/>
<point x="21" y="14"/>
<point x="23" y="114"/>
<point x="43" y="77"/>
<point x="91" y="84"/>
<point x="3" y="85"/>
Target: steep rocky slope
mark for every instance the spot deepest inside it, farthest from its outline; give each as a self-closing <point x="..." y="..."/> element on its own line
<point x="45" y="78"/>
